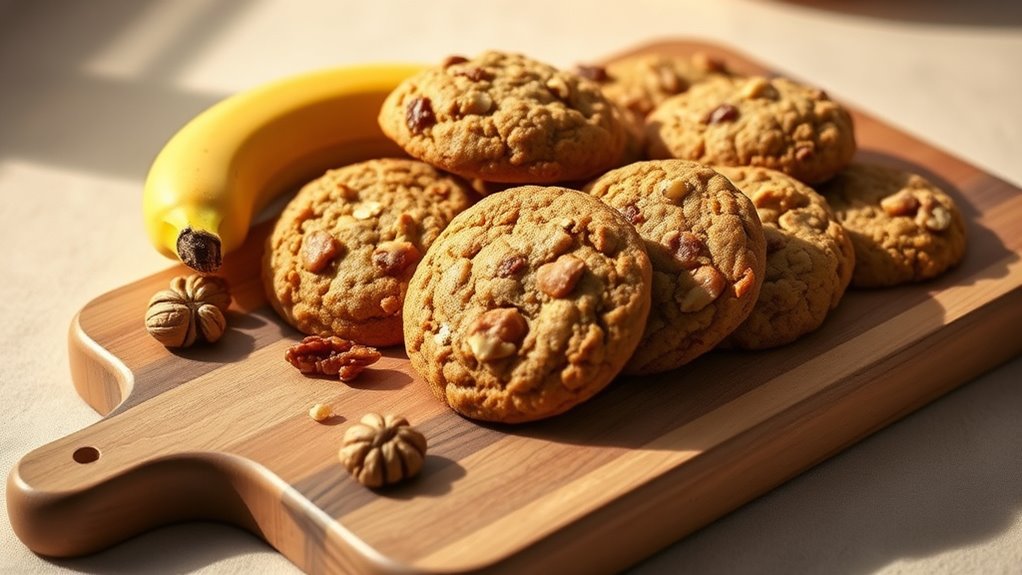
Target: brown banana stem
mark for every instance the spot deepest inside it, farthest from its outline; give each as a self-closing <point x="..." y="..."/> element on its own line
<point x="199" y="250"/>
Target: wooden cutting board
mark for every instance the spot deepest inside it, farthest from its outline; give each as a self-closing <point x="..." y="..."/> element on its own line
<point x="222" y="432"/>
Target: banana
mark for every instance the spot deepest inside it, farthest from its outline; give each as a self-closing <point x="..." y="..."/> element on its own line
<point x="233" y="159"/>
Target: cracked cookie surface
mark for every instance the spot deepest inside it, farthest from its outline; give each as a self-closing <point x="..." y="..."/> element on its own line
<point x="706" y="244"/>
<point x="503" y="117"/>
<point x="340" y="256"/>
<point x="809" y="259"/>
<point x="528" y="304"/>
<point x="903" y="227"/>
<point x="771" y="123"/>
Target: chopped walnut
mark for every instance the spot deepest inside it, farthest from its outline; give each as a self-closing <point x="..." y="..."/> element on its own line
<point x="604" y="239"/>
<point x="934" y="216"/>
<point x="405" y="227"/>
<point x="902" y="203"/>
<point x="395" y="257"/>
<point x="558" y="87"/>
<point x="559" y="277"/>
<point x="758" y="87"/>
<point x="419" y="115"/>
<point x="319" y="248"/>
<point x="478" y="103"/>
<point x="443" y="335"/>
<point x="320" y="412"/>
<point x="769" y="198"/>
<point x="331" y="355"/>
<point x="710" y="284"/>
<point x="496" y="334"/>
<point x="367" y="210"/>
<point x="194" y="306"/>
<point x="382" y="450"/>
<point x="685" y="247"/>
<point x="674" y="190"/>
<point x="390" y="305"/>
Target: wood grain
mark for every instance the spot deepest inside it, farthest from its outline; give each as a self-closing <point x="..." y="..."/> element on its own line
<point x="222" y="433"/>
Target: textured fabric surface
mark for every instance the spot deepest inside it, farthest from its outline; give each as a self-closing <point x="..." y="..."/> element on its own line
<point x="92" y="90"/>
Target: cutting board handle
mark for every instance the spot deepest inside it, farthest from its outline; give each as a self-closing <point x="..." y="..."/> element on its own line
<point x="63" y="502"/>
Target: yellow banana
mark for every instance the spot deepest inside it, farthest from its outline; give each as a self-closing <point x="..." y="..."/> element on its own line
<point x="233" y="159"/>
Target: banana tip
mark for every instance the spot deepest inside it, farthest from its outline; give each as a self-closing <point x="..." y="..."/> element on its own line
<point x="199" y="250"/>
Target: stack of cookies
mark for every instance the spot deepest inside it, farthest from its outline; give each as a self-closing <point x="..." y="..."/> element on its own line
<point x="635" y="217"/>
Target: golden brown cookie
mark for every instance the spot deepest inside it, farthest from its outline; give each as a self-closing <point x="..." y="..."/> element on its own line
<point x="340" y="256"/>
<point x="640" y="83"/>
<point x="528" y="304"/>
<point x="903" y="227"/>
<point x="809" y="259"/>
<point x="706" y="244"/>
<point x="772" y="123"/>
<point x="505" y="118"/>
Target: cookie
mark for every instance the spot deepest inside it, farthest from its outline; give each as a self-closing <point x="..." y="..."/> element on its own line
<point x="505" y="118"/>
<point x="640" y="83"/>
<point x="340" y="256"/>
<point x="809" y="259"/>
<point x="771" y="123"/>
<point x="903" y="227"/>
<point x="528" y="304"/>
<point x="706" y="244"/>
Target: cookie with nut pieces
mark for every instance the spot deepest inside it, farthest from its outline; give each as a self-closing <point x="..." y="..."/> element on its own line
<point x="502" y="117"/>
<point x="706" y="244"/>
<point x="904" y="228"/>
<point x="772" y="123"/>
<point x="340" y="256"/>
<point x="528" y="304"/>
<point x="640" y="83"/>
<point x="809" y="259"/>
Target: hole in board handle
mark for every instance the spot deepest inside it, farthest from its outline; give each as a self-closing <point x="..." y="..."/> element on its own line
<point x="86" y="454"/>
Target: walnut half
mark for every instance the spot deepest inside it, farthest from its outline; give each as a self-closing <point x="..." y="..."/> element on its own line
<point x="382" y="450"/>
<point x="331" y="355"/>
<point x="194" y="306"/>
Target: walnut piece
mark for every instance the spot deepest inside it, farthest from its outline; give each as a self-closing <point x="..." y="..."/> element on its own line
<point x="367" y="210"/>
<point x="382" y="450"/>
<point x="936" y="217"/>
<point x="193" y="307"/>
<point x="331" y="355"/>
<point x="674" y="190"/>
<point x="496" y="334"/>
<point x="902" y="203"/>
<point x="709" y="285"/>
<point x="476" y="103"/>
<point x="320" y="412"/>
<point x="395" y="257"/>
<point x="319" y="249"/>
<point x="559" y="277"/>
<point x="758" y="87"/>
<point x="558" y="87"/>
<point x="932" y="215"/>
